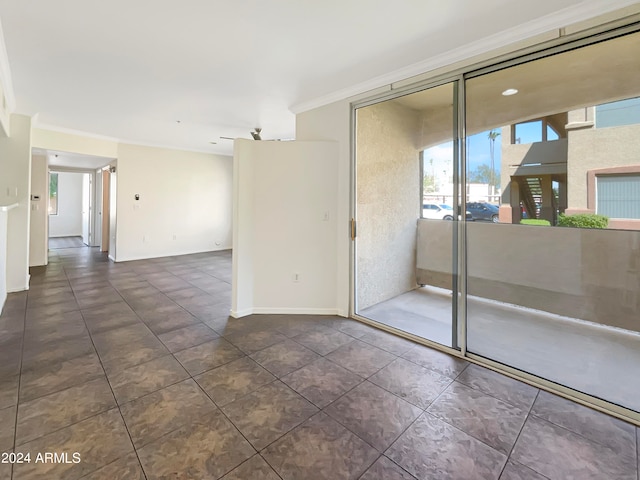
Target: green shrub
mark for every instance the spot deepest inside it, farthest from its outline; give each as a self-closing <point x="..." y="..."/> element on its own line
<point x="535" y="221"/>
<point x="583" y="220"/>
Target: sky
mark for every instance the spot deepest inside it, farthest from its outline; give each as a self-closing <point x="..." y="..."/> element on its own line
<point x="477" y="153"/>
<point x="478" y="150"/>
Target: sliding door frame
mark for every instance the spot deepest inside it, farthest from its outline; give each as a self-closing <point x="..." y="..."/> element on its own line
<point x="561" y="44"/>
<point x="458" y="340"/>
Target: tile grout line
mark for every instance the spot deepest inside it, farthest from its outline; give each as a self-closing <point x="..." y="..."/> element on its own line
<point x="257" y="452"/>
<point x="110" y="388"/>
<point x="518" y="437"/>
<point x="24" y="331"/>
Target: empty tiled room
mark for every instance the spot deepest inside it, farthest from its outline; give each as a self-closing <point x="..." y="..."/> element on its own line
<point x="137" y="368"/>
<point x="276" y="240"/>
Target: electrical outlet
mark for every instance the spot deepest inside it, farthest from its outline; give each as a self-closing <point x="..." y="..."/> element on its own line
<point x="175" y="237"/>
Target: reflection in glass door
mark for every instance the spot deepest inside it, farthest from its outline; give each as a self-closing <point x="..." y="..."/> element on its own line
<point x="406" y="198"/>
<point x="554" y="285"/>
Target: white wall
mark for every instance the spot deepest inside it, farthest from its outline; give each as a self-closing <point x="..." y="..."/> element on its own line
<point x="67" y="142"/>
<point x="15" y="186"/>
<point x="38" y="239"/>
<point x="68" y="221"/>
<point x="332" y="122"/>
<point x="4" y="217"/>
<point x="285" y="210"/>
<point x="185" y="202"/>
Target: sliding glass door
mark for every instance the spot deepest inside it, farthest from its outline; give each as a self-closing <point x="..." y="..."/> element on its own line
<point x="550" y="291"/>
<point x="541" y="272"/>
<point x="406" y="197"/>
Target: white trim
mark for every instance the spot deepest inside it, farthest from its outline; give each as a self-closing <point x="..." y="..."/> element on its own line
<point x="5" y="74"/>
<point x="556" y="20"/>
<point x="169" y="254"/>
<point x="241" y="313"/>
<point x="6" y="208"/>
<point x="21" y="288"/>
<point x="286" y="311"/>
<point x="293" y="311"/>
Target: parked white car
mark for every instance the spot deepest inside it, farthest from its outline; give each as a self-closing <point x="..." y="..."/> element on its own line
<point x="440" y="211"/>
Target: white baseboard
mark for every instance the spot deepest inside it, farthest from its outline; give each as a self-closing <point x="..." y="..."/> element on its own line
<point x="240" y="313"/>
<point x="284" y="311"/>
<point x="20" y="288"/>
<point x="178" y="253"/>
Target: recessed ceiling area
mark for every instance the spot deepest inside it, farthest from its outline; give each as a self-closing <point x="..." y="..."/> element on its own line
<point x="128" y="69"/>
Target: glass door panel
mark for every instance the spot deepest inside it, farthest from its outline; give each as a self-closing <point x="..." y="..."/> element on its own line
<point x="553" y="155"/>
<point x="406" y="197"/>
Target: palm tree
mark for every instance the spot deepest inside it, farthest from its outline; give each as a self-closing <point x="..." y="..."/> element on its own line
<point x="492" y="145"/>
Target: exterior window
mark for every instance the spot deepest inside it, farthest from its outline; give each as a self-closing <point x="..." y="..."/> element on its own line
<point x="53" y="194"/>
<point x="615" y="114"/>
<point x="529" y="132"/>
<point x="618" y="196"/>
<point x="535" y="131"/>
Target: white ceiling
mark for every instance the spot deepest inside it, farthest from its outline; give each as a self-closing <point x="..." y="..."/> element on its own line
<point x="131" y="69"/>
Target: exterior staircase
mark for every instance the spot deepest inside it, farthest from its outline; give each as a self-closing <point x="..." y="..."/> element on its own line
<point x="530" y="189"/>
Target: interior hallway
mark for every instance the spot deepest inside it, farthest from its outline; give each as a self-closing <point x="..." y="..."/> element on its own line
<point x="590" y="358"/>
<point x="65" y="242"/>
<point x="137" y="367"/>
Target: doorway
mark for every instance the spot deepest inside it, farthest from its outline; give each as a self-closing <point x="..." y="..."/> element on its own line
<point x="67" y="199"/>
<point x="70" y="209"/>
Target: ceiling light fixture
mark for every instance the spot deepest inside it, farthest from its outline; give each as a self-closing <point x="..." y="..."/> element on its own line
<point x="509" y="91"/>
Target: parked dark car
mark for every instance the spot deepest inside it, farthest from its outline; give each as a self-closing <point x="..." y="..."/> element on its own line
<point x="483" y="211"/>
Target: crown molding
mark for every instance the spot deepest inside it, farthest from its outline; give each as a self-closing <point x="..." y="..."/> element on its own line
<point x="580" y="12"/>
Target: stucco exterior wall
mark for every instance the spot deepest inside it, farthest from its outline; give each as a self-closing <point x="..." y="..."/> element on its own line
<point x="388" y="201"/>
<point x="595" y="148"/>
<point x="592" y="275"/>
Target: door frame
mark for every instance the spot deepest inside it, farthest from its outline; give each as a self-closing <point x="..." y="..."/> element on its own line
<point x="458" y="332"/>
<point x="105" y="208"/>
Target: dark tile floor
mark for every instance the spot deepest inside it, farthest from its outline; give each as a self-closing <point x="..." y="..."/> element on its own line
<point x="137" y="367"/>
